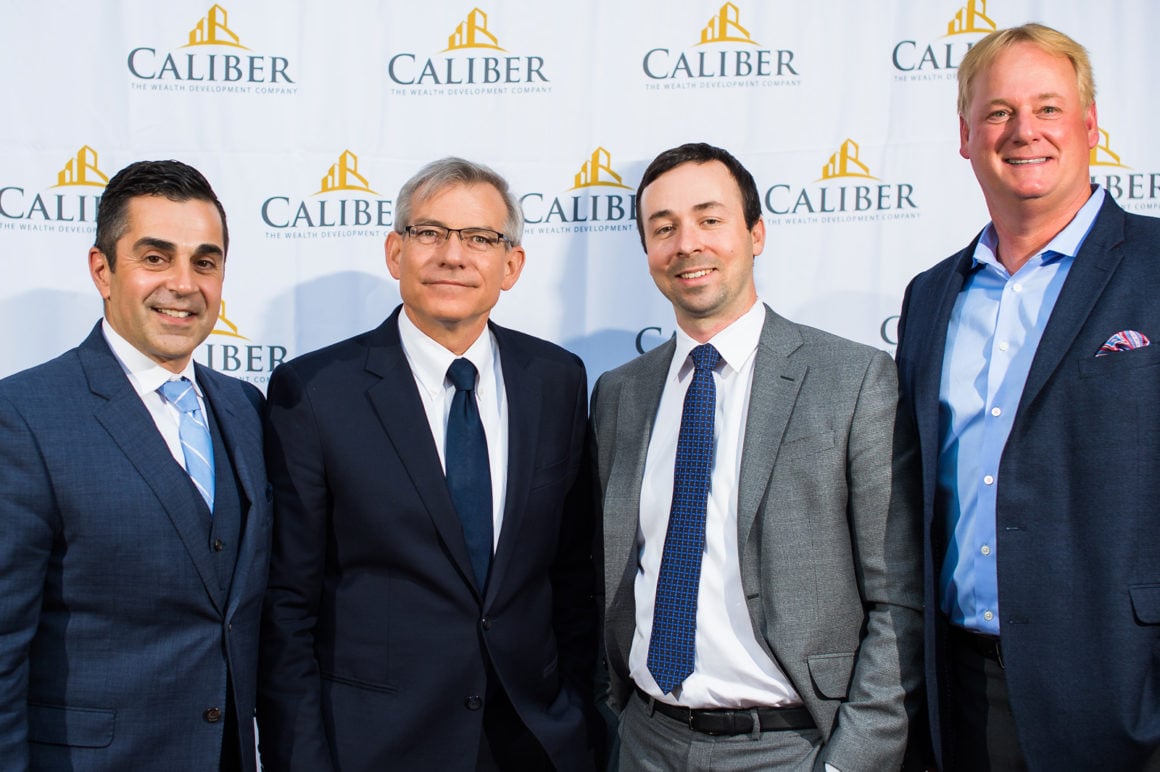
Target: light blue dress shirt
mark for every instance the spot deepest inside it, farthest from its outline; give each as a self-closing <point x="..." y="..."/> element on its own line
<point x="994" y="330"/>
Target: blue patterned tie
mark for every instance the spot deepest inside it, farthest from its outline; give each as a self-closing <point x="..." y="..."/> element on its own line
<point x="468" y="470"/>
<point x="671" y="649"/>
<point x="194" y="432"/>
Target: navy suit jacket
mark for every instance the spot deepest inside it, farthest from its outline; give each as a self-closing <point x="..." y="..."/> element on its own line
<point x="377" y="643"/>
<point x="1078" y="512"/>
<point x="115" y="633"/>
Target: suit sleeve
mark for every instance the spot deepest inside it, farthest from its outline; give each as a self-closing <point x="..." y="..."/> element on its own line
<point x="27" y="532"/>
<point x="291" y="731"/>
<point x="884" y="516"/>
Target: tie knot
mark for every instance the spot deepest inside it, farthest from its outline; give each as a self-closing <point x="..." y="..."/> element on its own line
<point x="462" y="374"/>
<point x="705" y="357"/>
<point x="180" y="395"/>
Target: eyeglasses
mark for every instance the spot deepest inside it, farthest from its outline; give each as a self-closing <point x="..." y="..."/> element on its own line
<point x="475" y="239"/>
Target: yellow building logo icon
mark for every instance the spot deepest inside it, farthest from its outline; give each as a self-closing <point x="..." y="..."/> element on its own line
<point x="213" y="29"/>
<point x="225" y="327"/>
<point x="82" y="169"/>
<point x="972" y="17"/>
<point x="343" y="175"/>
<point x="1103" y="155"/>
<point x="598" y="171"/>
<point x="845" y="163"/>
<point x="725" y="27"/>
<point x="472" y="32"/>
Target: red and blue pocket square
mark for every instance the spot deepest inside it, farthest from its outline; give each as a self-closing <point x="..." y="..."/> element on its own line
<point x="1124" y="340"/>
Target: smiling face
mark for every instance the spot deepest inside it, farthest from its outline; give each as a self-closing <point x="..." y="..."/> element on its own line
<point x="448" y="290"/>
<point x="1027" y="135"/>
<point x="165" y="293"/>
<point x="700" y="252"/>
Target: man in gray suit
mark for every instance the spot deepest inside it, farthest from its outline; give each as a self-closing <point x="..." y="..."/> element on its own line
<point x="761" y="549"/>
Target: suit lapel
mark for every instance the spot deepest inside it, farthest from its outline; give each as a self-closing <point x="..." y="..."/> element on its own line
<point x="240" y="431"/>
<point x="777" y="379"/>
<point x="636" y="412"/>
<point x="1089" y="275"/>
<point x="524" y="390"/>
<point x="931" y="347"/>
<point x="395" y="400"/>
<point x="129" y="423"/>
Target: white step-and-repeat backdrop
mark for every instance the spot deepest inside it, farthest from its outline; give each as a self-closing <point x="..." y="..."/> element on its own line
<point x="307" y="117"/>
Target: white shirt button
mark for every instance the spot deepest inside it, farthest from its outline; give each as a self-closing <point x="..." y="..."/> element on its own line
<point x="988" y="479"/>
<point x="1017" y="287"/>
<point x="986" y="550"/>
<point x="996" y="411"/>
<point x="1004" y="346"/>
<point x="988" y="616"/>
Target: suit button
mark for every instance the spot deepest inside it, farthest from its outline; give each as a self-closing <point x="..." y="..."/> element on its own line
<point x="485" y="624"/>
<point x="212" y="715"/>
<point x="218" y="545"/>
<point x="474" y="702"/>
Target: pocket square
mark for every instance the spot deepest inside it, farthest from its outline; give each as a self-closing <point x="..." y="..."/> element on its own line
<point x="1124" y="340"/>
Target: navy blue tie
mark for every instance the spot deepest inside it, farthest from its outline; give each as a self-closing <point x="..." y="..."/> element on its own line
<point x="468" y="470"/>
<point x="671" y="652"/>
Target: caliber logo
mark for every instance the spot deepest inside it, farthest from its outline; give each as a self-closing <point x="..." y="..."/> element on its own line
<point x="938" y="60"/>
<point x="343" y="175"/>
<point x="228" y="351"/>
<point x="344" y="206"/>
<point x="69" y="206"/>
<point x="468" y="66"/>
<point x="1135" y="191"/>
<point x="472" y="32"/>
<point x="841" y="194"/>
<point x="201" y="64"/>
<point x="726" y="56"/>
<point x="845" y="163"/>
<point x="590" y="205"/>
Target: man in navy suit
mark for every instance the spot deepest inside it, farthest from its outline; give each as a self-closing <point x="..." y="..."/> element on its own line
<point x="409" y="626"/>
<point x="131" y="578"/>
<point x="1025" y="362"/>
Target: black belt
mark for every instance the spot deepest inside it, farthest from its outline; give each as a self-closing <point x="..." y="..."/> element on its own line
<point x="984" y="645"/>
<point x="732" y="721"/>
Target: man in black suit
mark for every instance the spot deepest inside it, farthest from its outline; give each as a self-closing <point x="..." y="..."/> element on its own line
<point x="431" y="598"/>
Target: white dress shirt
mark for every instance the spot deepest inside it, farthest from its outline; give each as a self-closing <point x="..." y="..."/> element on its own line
<point x="147" y="377"/>
<point x="731" y="670"/>
<point x="429" y="361"/>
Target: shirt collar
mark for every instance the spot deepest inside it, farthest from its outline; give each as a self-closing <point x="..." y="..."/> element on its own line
<point x="145" y="374"/>
<point x="736" y="343"/>
<point x="1066" y="243"/>
<point x="429" y="360"/>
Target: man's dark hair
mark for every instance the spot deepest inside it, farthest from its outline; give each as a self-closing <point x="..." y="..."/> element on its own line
<point x="171" y="179"/>
<point x="699" y="153"/>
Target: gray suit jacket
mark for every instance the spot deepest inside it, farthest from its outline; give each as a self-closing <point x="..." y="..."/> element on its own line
<point x="828" y="531"/>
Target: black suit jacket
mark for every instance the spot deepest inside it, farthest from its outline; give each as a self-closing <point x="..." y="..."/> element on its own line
<point x="1078" y="512"/>
<point x="376" y="639"/>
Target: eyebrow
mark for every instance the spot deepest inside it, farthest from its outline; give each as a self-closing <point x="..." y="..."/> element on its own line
<point x="151" y="242"/>
<point x="696" y="208"/>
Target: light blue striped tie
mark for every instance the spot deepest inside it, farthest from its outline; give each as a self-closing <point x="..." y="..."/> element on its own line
<point x="195" y="440"/>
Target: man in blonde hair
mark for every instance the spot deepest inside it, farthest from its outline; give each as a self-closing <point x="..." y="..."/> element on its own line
<point x="1025" y="362"/>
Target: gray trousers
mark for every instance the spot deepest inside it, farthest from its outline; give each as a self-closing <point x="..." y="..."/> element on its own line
<point x="656" y="743"/>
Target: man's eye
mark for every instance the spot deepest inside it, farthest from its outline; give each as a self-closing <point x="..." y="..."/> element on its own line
<point x="426" y="233"/>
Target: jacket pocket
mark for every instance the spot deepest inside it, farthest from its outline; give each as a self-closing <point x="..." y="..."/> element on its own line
<point x="831" y="674"/>
<point x="1146" y="603"/>
<point x="78" y="727"/>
